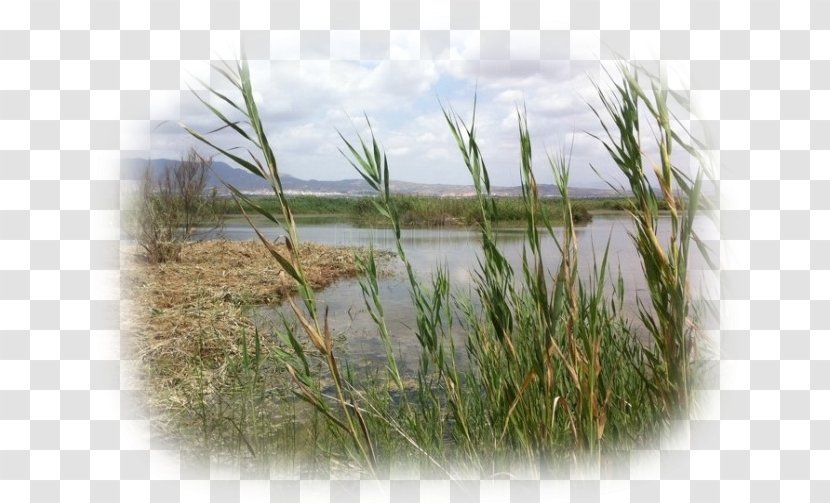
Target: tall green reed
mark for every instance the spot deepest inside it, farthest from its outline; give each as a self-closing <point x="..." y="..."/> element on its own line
<point x="549" y="368"/>
<point x="668" y="316"/>
<point x="344" y="417"/>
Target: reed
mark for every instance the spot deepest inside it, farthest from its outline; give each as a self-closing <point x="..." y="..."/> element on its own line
<point x="549" y="369"/>
<point x="344" y="418"/>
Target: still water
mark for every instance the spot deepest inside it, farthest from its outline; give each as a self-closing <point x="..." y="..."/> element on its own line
<point x="457" y="251"/>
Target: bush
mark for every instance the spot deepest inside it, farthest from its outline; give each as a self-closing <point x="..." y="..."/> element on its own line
<point x="172" y="206"/>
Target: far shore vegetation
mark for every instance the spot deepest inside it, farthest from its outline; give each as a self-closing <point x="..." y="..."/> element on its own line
<point x="552" y="370"/>
<point x="429" y="210"/>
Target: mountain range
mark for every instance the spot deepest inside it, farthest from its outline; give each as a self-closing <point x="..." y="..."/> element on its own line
<point x="246" y="182"/>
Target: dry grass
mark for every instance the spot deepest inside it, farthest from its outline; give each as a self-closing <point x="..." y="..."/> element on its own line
<point x="189" y="319"/>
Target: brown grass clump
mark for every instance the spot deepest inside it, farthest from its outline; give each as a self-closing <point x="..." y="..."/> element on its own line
<point x="189" y="319"/>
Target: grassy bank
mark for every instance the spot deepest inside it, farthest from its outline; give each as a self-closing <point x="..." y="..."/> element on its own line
<point x="205" y="364"/>
<point x="552" y="370"/>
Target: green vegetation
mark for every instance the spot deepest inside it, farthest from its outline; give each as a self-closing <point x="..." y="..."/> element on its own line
<point x="415" y="210"/>
<point x="421" y="210"/>
<point x="549" y="369"/>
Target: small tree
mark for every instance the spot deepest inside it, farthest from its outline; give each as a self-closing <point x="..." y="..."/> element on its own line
<point x="185" y="183"/>
<point x="172" y="207"/>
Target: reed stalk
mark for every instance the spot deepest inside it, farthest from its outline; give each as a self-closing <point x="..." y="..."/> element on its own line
<point x="549" y="368"/>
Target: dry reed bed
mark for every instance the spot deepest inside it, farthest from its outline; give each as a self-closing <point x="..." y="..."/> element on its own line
<point x="189" y="318"/>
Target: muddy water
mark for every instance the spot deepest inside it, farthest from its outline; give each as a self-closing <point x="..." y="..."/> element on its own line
<point x="457" y="251"/>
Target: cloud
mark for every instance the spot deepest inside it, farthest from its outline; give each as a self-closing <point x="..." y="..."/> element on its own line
<point x="304" y="104"/>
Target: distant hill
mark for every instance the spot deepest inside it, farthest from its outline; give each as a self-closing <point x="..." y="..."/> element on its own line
<point x="133" y="169"/>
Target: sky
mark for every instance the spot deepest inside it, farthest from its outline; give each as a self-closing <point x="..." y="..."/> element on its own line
<point x="304" y="104"/>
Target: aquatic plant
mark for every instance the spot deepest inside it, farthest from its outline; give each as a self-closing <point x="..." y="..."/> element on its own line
<point x="550" y="369"/>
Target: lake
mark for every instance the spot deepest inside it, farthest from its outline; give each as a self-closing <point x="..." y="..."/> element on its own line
<point x="456" y="250"/>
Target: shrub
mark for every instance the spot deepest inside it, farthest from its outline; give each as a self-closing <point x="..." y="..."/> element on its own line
<point x="172" y="206"/>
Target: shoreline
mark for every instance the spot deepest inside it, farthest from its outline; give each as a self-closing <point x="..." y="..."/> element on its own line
<point x="188" y="319"/>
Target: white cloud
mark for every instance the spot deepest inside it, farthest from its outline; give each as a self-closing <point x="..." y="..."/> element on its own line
<point x="304" y="104"/>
